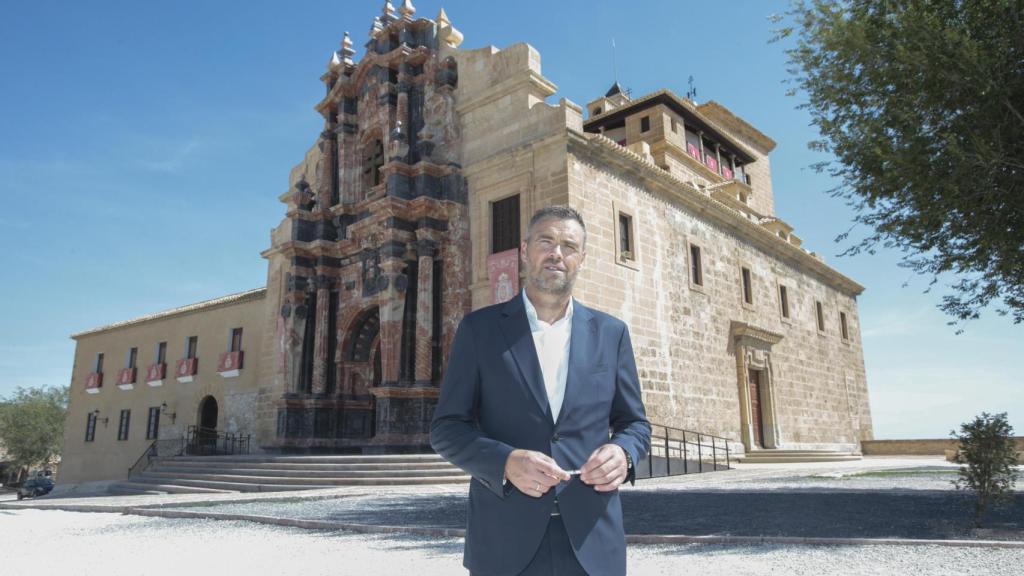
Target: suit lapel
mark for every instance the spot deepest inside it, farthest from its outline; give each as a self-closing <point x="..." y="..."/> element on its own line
<point x="516" y="329"/>
<point x="581" y="354"/>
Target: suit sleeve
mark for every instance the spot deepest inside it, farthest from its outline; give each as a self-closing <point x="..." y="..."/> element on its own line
<point x="454" y="432"/>
<point x="628" y="420"/>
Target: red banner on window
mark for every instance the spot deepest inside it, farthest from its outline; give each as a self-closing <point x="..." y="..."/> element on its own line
<point x="503" y="272"/>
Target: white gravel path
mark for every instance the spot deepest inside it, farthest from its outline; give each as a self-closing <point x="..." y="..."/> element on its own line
<point x="58" y="543"/>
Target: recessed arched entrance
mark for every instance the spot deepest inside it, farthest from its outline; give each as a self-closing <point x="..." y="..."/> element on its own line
<point x="208" y="413"/>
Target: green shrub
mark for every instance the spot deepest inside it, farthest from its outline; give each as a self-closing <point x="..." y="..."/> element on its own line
<point x="988" y="461"/>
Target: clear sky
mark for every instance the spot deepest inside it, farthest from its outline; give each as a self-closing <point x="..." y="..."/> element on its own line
<point x="143" y="146"/>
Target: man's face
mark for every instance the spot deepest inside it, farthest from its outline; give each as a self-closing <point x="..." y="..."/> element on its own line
<point x="553" y="254"/>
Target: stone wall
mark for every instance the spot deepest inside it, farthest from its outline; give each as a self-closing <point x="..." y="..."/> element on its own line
<point x="682" y="332"/>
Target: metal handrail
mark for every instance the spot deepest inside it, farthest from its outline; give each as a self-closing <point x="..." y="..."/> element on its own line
<point x="200" y="441"/>
<point x="152" y="452"/>
<point x="677" y="443"/>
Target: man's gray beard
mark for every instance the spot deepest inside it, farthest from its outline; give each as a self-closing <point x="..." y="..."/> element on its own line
<point x="558" y="287"/>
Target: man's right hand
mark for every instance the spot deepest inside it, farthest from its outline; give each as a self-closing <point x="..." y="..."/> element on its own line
<point x="533" y="473"/>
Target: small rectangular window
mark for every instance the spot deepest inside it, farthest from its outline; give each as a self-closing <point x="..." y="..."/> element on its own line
<point x="626" y="251"/>
<point x="505" y="224"/>
<point x="161" y="352"/>
<point x="696" y="266"/>
<point x="675" y="126"/>
<point x="236" y="339"/>
<point x="191" y="346"/>
<point x="90" y="427"/>
<point x="153" y="424"/>
<point x="842" y="326"/>
<point x="122" y="427"/>
<point x="133" y="354"/>
<point x="820" y="314"/>
<point x="783" y="301"/>
<point x="645" y="123"/>
<point x="748" y="293"/>
<point x="99" y="363"/>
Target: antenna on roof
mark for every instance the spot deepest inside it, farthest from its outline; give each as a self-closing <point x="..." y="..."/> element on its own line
<point x="615" y="67"/>
<point x="691" y="92"/>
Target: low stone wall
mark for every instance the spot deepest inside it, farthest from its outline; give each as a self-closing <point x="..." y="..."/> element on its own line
<point x="936" y="447"/>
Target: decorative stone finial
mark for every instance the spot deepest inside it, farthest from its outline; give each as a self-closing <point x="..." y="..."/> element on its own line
<point x="388" y="12"/>
<point x="446" y="33"/>
<point x="334" y="61"/>
<point x="377" y="27"/>
<point x="407" y="9"/>
<point x="346" y="49"/>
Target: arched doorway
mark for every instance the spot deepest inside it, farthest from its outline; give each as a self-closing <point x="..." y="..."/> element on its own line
<point x="208" y="413"/>
<point x="206" y="437"/>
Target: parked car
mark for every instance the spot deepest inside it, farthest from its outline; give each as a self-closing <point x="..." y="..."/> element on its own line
<point x="35" y="486"/>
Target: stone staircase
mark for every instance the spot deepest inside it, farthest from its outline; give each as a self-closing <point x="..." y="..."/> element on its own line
<point x="772" y="456"/>
<point x="263" y="473"/>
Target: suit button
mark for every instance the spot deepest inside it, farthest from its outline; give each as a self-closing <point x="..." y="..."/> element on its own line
<point x="556" y="437"/>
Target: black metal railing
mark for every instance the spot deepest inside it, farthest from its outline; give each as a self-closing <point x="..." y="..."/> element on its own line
<point x="201" y="441"/>
<point x="157" y="449"/>
<point x="675" y="452"/>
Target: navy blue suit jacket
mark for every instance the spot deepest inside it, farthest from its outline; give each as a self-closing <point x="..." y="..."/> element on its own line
<point x="493" y="400"/>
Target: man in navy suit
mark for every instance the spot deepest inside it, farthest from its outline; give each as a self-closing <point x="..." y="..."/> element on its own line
<point x="532" y="388"/>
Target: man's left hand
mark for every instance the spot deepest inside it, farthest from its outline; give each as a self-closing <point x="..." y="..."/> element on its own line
<point x="606" y="469"/>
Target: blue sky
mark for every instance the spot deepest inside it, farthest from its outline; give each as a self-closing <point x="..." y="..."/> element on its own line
<point x="144" y="145"/>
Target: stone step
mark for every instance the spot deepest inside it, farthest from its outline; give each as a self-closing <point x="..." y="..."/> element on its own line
<point x="320" y="459"/>
<point x="796" y="456"/>
<point x="309" y="474"/>
<point x="174" y="464"/>
<point x="231" y="476"/>
<point x="235" y="486"/>
<point x="140" y="485"/>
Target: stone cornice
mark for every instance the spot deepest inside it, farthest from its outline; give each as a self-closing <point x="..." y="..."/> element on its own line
<point x="665" y="183"/>
<point x="744" y="330"/>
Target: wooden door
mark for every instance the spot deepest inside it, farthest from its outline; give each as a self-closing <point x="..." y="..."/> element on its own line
<point x="754" y="379"/>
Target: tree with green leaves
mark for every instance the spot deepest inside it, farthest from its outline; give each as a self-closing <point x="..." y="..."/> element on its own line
<point x="988" y="456"/>
<point x="32" y="424"/>
<point x="921" y="105"/>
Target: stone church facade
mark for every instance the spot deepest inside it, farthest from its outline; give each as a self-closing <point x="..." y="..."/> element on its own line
<point x="430" y="162"/>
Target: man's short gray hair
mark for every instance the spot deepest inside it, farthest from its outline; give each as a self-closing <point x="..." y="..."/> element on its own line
<point x="559" y="211"/>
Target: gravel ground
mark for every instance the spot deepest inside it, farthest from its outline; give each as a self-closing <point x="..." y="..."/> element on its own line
<point x="912" y="504"/>
<point x="58" y="543"/>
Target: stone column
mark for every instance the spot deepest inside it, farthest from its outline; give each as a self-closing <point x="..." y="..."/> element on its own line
<point x="322" y="318"/>
<point x="328" y="169"/>
<point x="425" y="250"/>
<point x="393" y="284"/>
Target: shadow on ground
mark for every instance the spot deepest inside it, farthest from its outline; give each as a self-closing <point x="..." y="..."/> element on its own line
<point x="816" y="514"/>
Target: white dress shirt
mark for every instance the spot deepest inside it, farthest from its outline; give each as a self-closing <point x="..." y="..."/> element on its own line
<point x="552" y="344"/>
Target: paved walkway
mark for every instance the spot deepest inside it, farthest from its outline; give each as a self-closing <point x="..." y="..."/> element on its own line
<point x="875" y="498"/>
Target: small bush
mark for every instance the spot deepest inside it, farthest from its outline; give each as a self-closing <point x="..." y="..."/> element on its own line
<point x="988" y="457"/>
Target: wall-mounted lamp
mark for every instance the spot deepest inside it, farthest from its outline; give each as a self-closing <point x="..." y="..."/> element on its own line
<point x="96" y="416"/>
<point x="163" y="410"/>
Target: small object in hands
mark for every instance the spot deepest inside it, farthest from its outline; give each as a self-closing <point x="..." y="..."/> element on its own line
<point x="574" y="472"/>
<point x="536" y="486"/>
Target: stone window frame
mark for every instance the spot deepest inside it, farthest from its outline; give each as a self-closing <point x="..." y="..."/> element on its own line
<point x="844" y="326"/>
<point x="819" y="317"/>
<point x="695" y="286"/>
<point x="124" y="425"/>
<point x="785" y="313"/>
<point x="489" y="204"/>
<point x="746" y="283"/>
<point x="629" y="259"/>
<point x="645" y="124"/>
